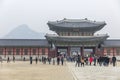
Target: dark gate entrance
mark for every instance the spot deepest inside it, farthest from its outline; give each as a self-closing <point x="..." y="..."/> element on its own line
<point x="62" y="51"/>
<point x="89" y="51"/>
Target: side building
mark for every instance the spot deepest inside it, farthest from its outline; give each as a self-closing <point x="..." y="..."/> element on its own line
<point x="21" y="48"/>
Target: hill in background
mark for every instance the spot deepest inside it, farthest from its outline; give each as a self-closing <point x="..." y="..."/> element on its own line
<point x="24" y="32"/>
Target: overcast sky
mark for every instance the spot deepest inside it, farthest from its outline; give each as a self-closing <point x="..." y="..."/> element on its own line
<point x="36" y="13"/>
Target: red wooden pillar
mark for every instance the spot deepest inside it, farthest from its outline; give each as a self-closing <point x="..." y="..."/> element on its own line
<point x="14" y="51"/>
<point x="95" y="50"/>
<point x="82" y="51"/>
<point x="113" y="52"/>
<point x="68" y="50"/>
<point x="38" y="52"/>
<point x="55" y="52"/>
<point x="21" y="51"/>
<point x="5" y="52"/>
<point x="46" y="51"/>
<point x="30" y="51"/>
<point x="104" y="51"/>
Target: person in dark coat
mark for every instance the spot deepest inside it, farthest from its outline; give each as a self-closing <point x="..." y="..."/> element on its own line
<point x="100" y="60"/>
<point x="30" y="60"/>
<point x="62" y="60"/>
<point x="8" y="59"/>
<point x="49" y="60"/>
<point x="78" y="60"/>
<point x="86" y="60"/>
<point x="0" y="59"/>
<point x="58" y="60"/>
<point x="95" y="59"/>
<point x="24" y="59"/>
<point x="108" y="60"/>
<point x="13" y="58"/>
<point x="36" y="60"/>
<point x="114" y="60"/>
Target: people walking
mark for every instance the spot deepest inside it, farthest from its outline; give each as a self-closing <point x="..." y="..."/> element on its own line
<point x="30" y="60"/>
<point x="58" y="60"/>
<point x="44" y="60"/>
<point x="82" y="61"/>
<point x="62" y="60"/>
<point x="8" y="59"/>
<point x="108" y="60"/>
<point x="114" y="61"/>
<point x="24" y="59"/>
<point x="90" y="60"/>
<point x="49" y="60"/>
<point x="36" y="60"/>
<point x="13" y="58"/>
<point x="78" y="60"/>
<point x="86" y="60"/>
<point x="95" y="59"/>
<point x="100" y="60"/>
<point x="0" y="59"/>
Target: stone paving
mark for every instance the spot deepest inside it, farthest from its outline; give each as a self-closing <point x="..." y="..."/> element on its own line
<point x="94" y="72"/>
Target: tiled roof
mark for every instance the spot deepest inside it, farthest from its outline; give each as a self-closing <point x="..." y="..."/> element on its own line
<point x="112" y="43"/>
<point x="82" y="24"/>
<point x="24" y="42"/>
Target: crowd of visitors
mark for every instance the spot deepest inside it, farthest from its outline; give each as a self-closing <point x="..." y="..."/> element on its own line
<point x="78" y="59"/>
<point x="93" y="60"/>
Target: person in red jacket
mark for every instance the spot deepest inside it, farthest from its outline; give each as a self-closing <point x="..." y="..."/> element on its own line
<point x="90" y="60"/>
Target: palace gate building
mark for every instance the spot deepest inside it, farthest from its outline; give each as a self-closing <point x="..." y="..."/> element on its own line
<point x="73" y="36"/>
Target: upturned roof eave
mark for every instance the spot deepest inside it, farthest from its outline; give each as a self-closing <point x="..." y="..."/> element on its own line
<point x="77" y="39"/>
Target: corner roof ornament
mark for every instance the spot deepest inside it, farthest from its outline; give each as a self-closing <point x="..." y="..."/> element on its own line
<point x="86" y="19"/>
<point x="64" y="18"/>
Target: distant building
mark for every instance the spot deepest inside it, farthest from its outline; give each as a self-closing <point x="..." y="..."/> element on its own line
<point x="74" y="36"/>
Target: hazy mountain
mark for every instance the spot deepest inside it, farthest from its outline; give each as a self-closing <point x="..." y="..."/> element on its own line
<point x="24" y="32"/>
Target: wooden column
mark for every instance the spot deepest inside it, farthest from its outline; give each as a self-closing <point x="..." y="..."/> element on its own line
<point x="82" y="51"/>
<point x="95" y="51"/>
<point x="14" y="51"/>
<point x="5" y="52"/>
<point x="68" y="50"/>
<point x="21" y="50"/>
<point x="113" y="52"/>
<point x="38" y="52"/>
<point x="30" y="51"/>
<point x="55" y="53"/>
<point x="102" y="52"/>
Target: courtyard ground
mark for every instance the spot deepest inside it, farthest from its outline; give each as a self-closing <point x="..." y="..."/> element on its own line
<point x="25" y="71"/>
